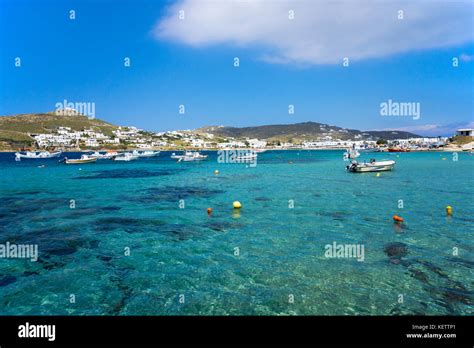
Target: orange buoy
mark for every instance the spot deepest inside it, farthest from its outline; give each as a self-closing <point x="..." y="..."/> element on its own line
<point x="209" y="211"/>
<point x="397" y="218"/>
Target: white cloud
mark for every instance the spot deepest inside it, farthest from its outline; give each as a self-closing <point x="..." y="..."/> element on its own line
<point x="322" y="31"/>
<point x="420" y="128"/>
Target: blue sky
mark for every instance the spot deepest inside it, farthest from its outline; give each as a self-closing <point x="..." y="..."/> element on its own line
<point x="190" y="62"/>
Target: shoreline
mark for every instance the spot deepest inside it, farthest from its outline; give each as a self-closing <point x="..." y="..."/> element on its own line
<point x="245" y="149"/>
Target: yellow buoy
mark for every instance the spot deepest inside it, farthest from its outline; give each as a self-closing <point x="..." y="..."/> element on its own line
<point x="378" y="174"/>
<point x="237" y="205"/>
<point x="449" y="210"/>
<point x="216" y="172"/>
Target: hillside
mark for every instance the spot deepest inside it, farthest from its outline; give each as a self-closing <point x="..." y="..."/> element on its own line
<point x="15" y="130"/>
<point x="302" y="131"/>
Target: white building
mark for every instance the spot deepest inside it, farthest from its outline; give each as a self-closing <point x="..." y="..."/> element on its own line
<point x="466" y="132"/>
<point x="112" y="141"/>
<point x="92" y="142"/>
<point x="257" y="144"/>
<point x="231" y="144"/>
<point x="63" y="130"/>
<point x="130" y="132"/>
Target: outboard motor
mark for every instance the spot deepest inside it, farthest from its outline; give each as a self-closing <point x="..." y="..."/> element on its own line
<point x="352" y="167"/>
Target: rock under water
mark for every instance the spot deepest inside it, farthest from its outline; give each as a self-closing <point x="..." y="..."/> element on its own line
<point x="6" y="280"/>
<point x="396" y="249"/>
<point x="124" y="174"/>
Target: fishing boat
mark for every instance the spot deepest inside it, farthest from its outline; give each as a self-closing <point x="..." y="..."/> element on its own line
<point x="36" y="155"/>
<point x="192" y="156"/>
<point x="83" y="160"/>
<point x="175" y="156"/>
<point x="184" y="154"/>
<point x="125" y="157"/>
<point x="107" y="155"/>
<point x="371" y="166"/>
<point x="98" y="156"/>
<point x="146" y="153"/>
<point x="89" y="157"/>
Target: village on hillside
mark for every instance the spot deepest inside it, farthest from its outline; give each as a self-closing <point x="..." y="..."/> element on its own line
<point x="134" y="138"/>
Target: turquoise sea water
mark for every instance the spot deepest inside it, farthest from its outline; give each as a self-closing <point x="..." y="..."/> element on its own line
<point x="281" y="250"/>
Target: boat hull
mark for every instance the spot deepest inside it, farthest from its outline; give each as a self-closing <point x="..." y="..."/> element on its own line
<point x="193" y="159"/>
<point x="146" y="154"/>
<point x="126" y="158"/>
<point x="80" y="161"/>
<point x="101" y="156"/>
<point x="372" y="167"/>
<point x="38" y="156"/>
<point x="189" y="156"/>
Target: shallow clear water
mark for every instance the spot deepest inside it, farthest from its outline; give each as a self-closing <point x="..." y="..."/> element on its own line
<point x="176" y="251"/>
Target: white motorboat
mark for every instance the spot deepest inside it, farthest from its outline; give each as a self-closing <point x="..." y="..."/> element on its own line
<point x="145" y="153"/>
<point x="351" y="154"/>
<point x="184" y="154"/>
<point x="88" y="157"/>
<point x="175" y="156"/>
<point x="191" y="156"/>
<point x="126" y="157"/>
<point x="36" y="155"/>
<point x="372" y="166"/>
<point x="107" y="155"/>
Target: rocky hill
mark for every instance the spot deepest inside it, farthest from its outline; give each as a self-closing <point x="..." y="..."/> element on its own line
<point x="15" y="130"/>
<point x="305" y="131"/>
